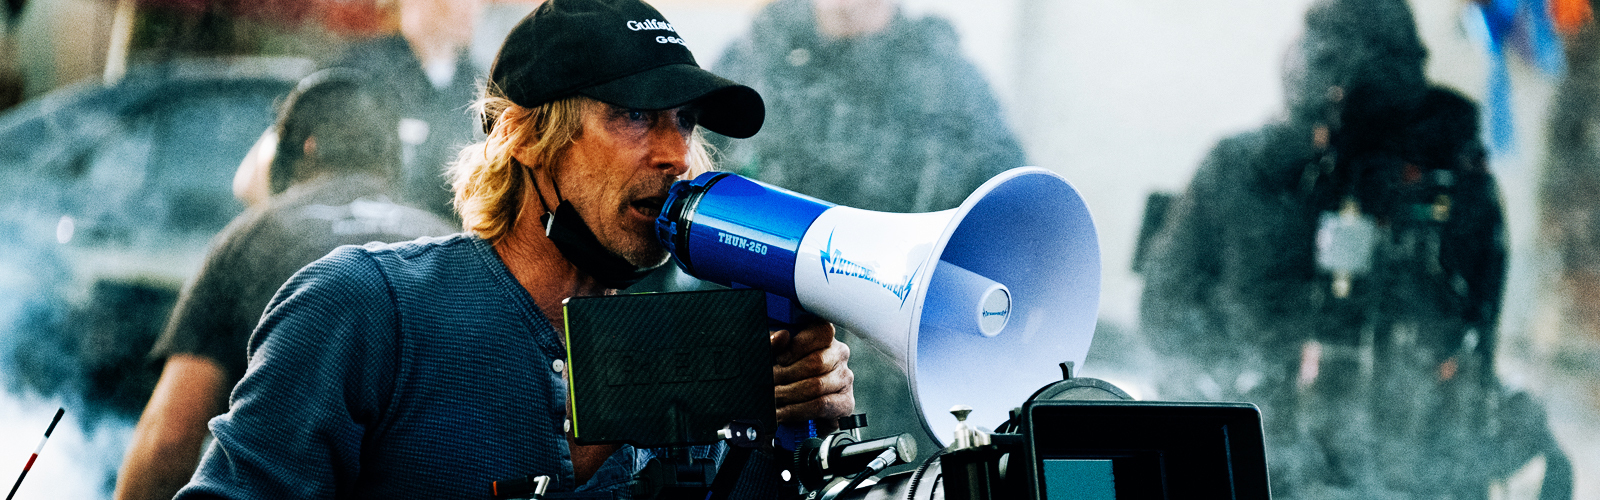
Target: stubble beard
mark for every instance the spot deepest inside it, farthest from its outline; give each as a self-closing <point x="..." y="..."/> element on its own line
<point x="641" y="249"/>
<point x="637" y="245"/>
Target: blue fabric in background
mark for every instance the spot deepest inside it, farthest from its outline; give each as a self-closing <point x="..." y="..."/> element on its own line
<point x="1524" y="27"/>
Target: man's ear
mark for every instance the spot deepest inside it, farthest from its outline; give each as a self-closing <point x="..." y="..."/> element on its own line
<point x="310" y="147"/>
<point x="523" y="155"/>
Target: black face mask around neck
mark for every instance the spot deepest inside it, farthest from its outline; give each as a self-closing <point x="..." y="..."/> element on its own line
<point x="578" y="244"/>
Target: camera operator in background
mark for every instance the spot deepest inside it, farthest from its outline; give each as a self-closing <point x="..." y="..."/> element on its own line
<point x="433" y="368"/>
<point x="1343" y="270"/>
<point x="331" y="177"/>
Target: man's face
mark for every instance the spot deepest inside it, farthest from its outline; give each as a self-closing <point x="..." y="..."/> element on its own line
<point x="617" y="174"/>
<point x="852" y="18"/>
<point x="1313" y="67"/>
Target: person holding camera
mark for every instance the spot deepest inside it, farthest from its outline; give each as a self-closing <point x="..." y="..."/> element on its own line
<point x="1343" y="269"/>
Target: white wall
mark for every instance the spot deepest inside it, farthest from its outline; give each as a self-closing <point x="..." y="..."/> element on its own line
<point x="1126" y="96"/>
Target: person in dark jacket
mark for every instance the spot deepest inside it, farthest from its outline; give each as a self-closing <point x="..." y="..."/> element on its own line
<point x="872" y="108"/>
<point x="869" y="108"/>
<point x="427" y="68"/>
<point x="1342" y="268"/>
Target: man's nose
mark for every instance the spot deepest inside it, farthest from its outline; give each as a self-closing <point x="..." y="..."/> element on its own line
<point x="669" y="147"/>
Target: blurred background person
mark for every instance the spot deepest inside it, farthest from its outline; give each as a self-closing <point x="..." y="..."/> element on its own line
<point x="332" y="176"/>
<point x="871" y="108"/>
<point x="428" y="68"/>
<point x="1343" y="269"/>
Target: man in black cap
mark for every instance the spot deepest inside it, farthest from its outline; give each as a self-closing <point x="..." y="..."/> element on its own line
<point x="431" y="369"/>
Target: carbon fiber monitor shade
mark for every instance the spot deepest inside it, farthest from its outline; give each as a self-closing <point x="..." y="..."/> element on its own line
<point x="668" y="369"/>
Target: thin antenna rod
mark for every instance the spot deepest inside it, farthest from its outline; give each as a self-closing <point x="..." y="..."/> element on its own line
<point x="52" y="428"/>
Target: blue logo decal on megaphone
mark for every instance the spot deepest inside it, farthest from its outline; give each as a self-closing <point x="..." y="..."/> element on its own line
<point x="833" y="262"/>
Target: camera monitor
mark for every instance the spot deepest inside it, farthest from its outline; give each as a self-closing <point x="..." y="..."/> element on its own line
<point x="668" y="369"/>
<point x="1104" y="450"/>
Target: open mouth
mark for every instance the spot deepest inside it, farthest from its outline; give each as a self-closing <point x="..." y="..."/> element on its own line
<point x="649" y="207"/>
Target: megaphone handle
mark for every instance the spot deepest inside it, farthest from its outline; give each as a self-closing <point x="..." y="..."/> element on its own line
<point x="785" y="314"/>
<point x="791" y="435"/>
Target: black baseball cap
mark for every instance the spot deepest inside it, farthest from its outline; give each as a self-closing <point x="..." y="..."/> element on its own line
<point x="620" y="52"/>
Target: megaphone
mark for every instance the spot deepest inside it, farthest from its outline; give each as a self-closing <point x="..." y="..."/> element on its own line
<point x="978" y="304"/>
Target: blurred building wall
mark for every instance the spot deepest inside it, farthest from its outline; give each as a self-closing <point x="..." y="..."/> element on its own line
<point x="62" y="41"/>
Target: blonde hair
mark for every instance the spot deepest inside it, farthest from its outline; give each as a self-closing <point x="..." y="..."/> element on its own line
<point x="489" y="182"/>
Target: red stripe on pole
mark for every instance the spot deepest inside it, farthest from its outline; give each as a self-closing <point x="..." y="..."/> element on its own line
<point x="35" y="455"/>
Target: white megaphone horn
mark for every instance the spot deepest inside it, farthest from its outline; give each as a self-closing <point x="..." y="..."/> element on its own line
<point x="978" y="304"/>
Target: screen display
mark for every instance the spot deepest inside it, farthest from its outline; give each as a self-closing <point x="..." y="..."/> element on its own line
<point x="1082" y="479"/>
<point x="1146" y="450"/>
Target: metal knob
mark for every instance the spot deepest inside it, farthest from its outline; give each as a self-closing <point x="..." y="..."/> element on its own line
<point x="961" y="412"/>
<point x="963" y="434"/>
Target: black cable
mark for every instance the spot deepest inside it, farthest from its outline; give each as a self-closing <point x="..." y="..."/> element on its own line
<point x="858" y="479"/>
<point x="877" y="465"/>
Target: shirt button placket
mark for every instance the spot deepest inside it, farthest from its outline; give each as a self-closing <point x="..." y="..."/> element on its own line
<point x="559" y="366"/>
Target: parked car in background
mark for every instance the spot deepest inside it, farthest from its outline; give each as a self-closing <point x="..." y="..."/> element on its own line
<point x="108" y="197"/>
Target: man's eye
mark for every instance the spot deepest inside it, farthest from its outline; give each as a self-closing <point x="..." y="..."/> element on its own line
<point x="688" y="120"/>
<point x="636" y="115"/>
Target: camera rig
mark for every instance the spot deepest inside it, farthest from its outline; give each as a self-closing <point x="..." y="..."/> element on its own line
<point x="1076" y="437"/>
